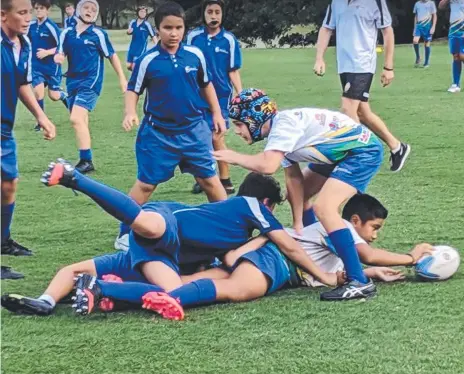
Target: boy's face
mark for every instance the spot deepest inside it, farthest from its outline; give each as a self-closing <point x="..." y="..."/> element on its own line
<point x="171" y="31"/>
<point x="41" y="12"/>
<point x="213" y="16"/>
<point x="18" y="18"/>
<point x="242" y="130"/>
<point x="368" y="230"/>
<point x="142" y="13"/>
<point x="88" y="12"/>
<point x="69" y="11"/>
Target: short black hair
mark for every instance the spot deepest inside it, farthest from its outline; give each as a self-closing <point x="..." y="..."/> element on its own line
<point x="67" y="5"/>
<point x="170" y="8"/>
<point x="45" y="3"/>
<point x="366" y="207"/>
<point x="261" y="187"/>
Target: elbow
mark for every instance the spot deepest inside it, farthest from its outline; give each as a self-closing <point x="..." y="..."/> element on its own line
<point x="268" y="169"/>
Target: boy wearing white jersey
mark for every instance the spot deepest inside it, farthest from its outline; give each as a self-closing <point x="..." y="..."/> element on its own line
<point x="357" y="23"/>
<point x="343" y="157"/>
<point x="425" y="21"/>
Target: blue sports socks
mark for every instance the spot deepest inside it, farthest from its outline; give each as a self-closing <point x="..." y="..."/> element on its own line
<point x="416" y="49"/>
<point x="309" y="217"/>
<point x="7" y="217"/>
<point x="131" y="292"/>
<point x="85" y="154"/>
<point x="427" y="55"/>
<point x="114" y="202"/>
<point x="457" y="68"/>
<point x="343" y="242"/>
<point x="200" y="292"/>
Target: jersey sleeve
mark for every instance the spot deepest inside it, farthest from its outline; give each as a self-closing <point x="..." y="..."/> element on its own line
<point x="204" y="75"/>
<point x="235" y="53"/>
<point x="55" y="31"/>
<point x="151" y="31"/>
<point x="329" y="20"/>
<point x="284" y="135"/>
<point x="415" y="8"/>
<point x="61" y="47"/>
<point x="131" y="24"/>
<point x="433" y="8"/>
<point x="139" y="77"/>
<point x="382" y="17"/>
<point x="26" y="78"/>
<point x="104" y="44"/>
<point x="260" y="218"/>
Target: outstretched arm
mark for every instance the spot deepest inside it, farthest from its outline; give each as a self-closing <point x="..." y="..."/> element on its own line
<point x="267" y="162"/>
<point x="382" y="257"/>
<point x="116" y="63"/>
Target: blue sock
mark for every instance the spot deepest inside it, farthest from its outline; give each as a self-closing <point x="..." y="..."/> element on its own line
<point x="123" y="229"/>
<point x="7" y="217"/>
<point x="131" y="292"/>
<point x="200" y="292"/>
<point x="343" y="242"/>
<point x="116" y="203"/>
<point x="85" y="154"/>
<point x="64" y="98"/>
<point x="416" y="49"/>
<point x="309" y="217"/>
<point x="457" y="68"/>
<point x="41" y="103"/>
<point x="427" y="55"/>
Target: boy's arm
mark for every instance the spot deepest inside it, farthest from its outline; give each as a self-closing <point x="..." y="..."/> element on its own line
<point x="130" y="110"/>
<point x="209" y="93"/>
<point x="116" y="63"/>
<point x="295" y="193"/>
<point x="382" y="257"/>
<point x="384" y="274"/>
<point x="267" y="162"/>
<point x="231" y="257"/>
<point x="434" y="23"/>
<point x="389" y="50"/>
<point x="236" y="80"/>
<point x="295" y="253"/>
<point x="415" y="24"/>
<point x="28" y="98"/>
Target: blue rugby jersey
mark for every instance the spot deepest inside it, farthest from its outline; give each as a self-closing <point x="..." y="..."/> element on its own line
<point x="85" y="53"/>
<point x="173" y="81"/>
<point x="223" y="55"/>
<point x="139" y="41"/>
<point x="16" y="71"/>
<point x="44" y="35"/>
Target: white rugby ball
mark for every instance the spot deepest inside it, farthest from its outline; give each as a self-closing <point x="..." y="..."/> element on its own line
<point x="441" y="265"/>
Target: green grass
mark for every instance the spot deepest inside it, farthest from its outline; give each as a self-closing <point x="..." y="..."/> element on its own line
<point x="410" y="327"/>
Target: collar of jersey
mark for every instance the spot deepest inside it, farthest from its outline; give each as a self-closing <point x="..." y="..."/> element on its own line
<point x="180" y="52"/>
<point x="217" y="36"/>
<point x="10" y="43"/>
<point x="88" y="29"/>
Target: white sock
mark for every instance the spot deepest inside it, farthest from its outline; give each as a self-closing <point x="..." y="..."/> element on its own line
<point x="48" y="299"/>
<point x="397" y="149"/>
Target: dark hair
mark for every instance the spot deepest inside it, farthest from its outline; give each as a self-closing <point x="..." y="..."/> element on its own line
<point x="206" y="3"/>
<point x="170" y="8"/>
<point x="67" y="5"/>
<point x="366" y="207"/>
<point x="7" y="5"/>
<point x="45" y="3"/>
<point x="261" y="187"/>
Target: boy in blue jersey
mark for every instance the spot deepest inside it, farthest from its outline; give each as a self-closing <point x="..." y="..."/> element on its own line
<point x="140" y="29"/>
<point x="160" y="230"/>
<point x="425" y="21"/>
<point x="86" y="46"/>
<point x="224" y="58"/>
<point x="44" y="36"/>
<point x="16" y="84"/>
<point x="456" y="39"/>
<point x="70" y="20"/>
<point x="343" y="157"/>
<point x="173" y="132"/>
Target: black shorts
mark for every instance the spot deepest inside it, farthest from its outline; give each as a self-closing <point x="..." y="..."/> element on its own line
<point x="356" y="86"/>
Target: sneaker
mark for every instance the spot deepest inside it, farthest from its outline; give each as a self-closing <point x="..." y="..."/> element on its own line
<point x="417" y="64"/>
<point x="196" y="189"/>
<point x="26" y="305"/>
<point x="122" y="243"/>
<point x="37" y="128"/>
<point x="88" y="294"/>
<point x="85" y="166"/>
<point x="229" y="187"/>
<point x="398" y="159"/>
<point x="11" y="248"/>
<point x="9" y="273"/>
<point x="163" y="304"/>
<point x="59" y="172"/>
<point x="350" y="291"/>
<point x="426" y="66"/>
<point x="454" y="88"/>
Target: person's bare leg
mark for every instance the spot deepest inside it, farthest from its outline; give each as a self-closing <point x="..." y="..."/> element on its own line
<point x="213" y="188"/>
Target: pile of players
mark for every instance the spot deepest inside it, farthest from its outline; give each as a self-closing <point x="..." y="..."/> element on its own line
<point x="167" y="243"/>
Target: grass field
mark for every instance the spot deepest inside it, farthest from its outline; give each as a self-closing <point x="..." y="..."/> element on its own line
<point x="410" y="327"/>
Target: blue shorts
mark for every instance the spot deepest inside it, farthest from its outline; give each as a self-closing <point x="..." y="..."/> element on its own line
<point x="209" y="119"/>
<point x="165" y="249"/>
<point x="159" y="152"/>
<point x="52" y="81"/>
<point x="133" y="54"/>
<point x="9" y="160"/>
<point x="271" y="263"/>
<point x="423" y="32"/>
<point x="357" y="169"/>
<point x="456" y="45"/>
<point x="118" y="264"/>
<point x="85" y="98"/>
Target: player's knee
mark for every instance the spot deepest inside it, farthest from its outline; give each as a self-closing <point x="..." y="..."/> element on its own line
<point x="54" y="95"/>
<point x="9" y="189"/>
<point x="461" y="56"/>
<point x="149" y="225"/>
<point x="76" y="120"/>
<point x="239" y="294"/>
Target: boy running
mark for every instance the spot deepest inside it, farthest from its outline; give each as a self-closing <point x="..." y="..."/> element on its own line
<point x="425" y="21"/>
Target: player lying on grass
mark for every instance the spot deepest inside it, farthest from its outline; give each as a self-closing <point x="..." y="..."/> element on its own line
<point x="343" y="157"/>
<point x="160" y="230"/>
<point x="253" y="273"/>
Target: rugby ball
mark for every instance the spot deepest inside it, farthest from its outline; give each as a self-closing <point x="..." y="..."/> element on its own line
<point x="441" y="265"/>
